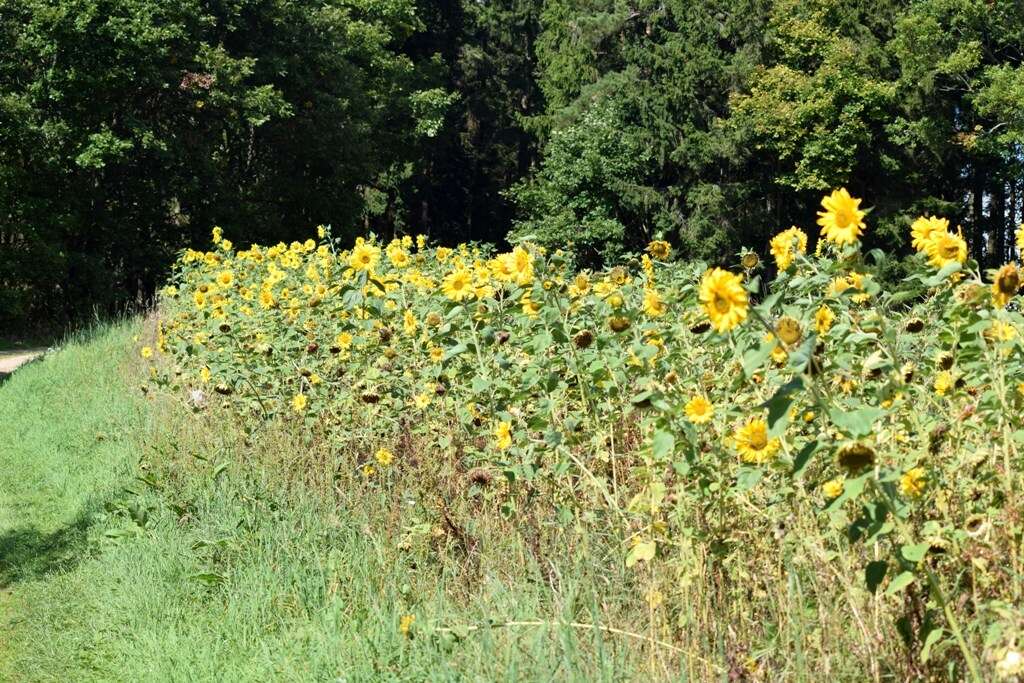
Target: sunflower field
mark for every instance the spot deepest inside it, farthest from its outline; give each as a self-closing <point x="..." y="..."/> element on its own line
<point x="723" y="432"/>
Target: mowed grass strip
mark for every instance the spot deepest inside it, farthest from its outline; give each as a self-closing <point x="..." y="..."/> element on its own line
<point x="137" y="544"/>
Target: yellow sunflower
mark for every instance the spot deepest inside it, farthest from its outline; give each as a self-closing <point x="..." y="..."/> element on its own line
<point x="842" y="221"/>
<point x="654" y="305"/>
<point x="753" y="443"/>
<point x="913" y="482"/>
<point x="503" y="436"/>
<point x="945" y="248"/>
<point x="923" y="229"/>
<point x="724" y="299"/>
<point x="699" y="410"/>
<point x="458" y="284"/>
<point x="659" y="249"/>
<point x="786" y="245"/>
<point x="1005" y="284"/>
<point x="823" y="319"/>
<point x="364" y="256"/>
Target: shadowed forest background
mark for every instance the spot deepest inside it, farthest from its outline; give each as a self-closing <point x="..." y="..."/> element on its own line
<point x="129" y="128"/>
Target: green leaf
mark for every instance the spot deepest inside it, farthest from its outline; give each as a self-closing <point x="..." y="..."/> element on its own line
<point x="780" y="404"/>
<point x="803" y="457"/>
<point x="874" y="574"/>
<point x="899" y="583"/>
<point x="641" y="552"/>
<point x="747" y="478"/>
<point x="755" y="358"/>
<point x="933" y="637"/>
<point x="943" y="275"/>
<point x="914" y="553"/>
<point x="663" y="444"/>
<point x="856" y="423"/>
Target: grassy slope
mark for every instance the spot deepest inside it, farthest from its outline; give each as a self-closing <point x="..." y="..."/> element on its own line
<point x="219" y="573"/>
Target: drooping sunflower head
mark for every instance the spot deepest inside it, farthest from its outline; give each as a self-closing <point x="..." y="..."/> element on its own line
<point x="842" y="221"/>
<point x="1005" y="284"/>
<point x="788" y="330"/>
<point x="856" y="456"/>
<point x="724" y="299"/>
<point x="753" y="443"/>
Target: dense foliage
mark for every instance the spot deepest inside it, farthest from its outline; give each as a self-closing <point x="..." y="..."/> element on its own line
<point x="129" y="129"/>
<point x="716" y="421"/>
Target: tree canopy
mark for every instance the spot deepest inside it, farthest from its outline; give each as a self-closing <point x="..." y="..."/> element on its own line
<point x="129" y="129"/>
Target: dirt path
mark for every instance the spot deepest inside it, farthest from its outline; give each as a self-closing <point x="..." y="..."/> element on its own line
<point x="11" y="361"/>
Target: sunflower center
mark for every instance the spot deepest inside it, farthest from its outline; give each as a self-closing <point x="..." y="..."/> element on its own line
<point x="758" y="440"/>
<point x="948" y="250"/>
<point x="722" y="304"/>
<point x="843" y="218"/>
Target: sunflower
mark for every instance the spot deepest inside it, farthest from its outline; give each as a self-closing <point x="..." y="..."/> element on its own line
<point x="833" y="488"/>
<point x="146" y="352"/>
<point x="364" y="256"/>
<point x="753" y="443"/>
<point x="724" y="299"/>
<point x="654" y="305"/>
<point x="788" y="330"/>
<point x="945" y="248"/>
<point x="384" y="457"/>
<point x="786" y="245"/>
<point x="1005" y="284"/>
<point x="659" y="249"/>
<point x="823" y="319"/>
<point x="225" y="278"/>
<point x="458" y="284"/>
<point x="503" y="436"/>
<point x="299" y="402"/>
<point x="699" y="410"/>
<point x="923" y="229"/>
<point x="943" y="382"/>
<point x="913" y="482"/>
<point x="854" y="457"/>
<point x="842" y="221"/>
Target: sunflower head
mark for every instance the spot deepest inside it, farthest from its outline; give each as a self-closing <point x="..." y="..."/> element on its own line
<point x="788" y="330"/>
<point x="915" y="325"/>
<point x="856" y="456"/>
<point x="724" y="299"/>
<point x="842" y="221"/>
<point x="1005" y="284"/>
<point x="699" y="410"/>
<point x="753" y="443"/>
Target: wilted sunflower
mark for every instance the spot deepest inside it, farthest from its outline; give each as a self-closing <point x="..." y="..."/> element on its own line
<point x="788" y="330"/>
<point x="1005" y="284"/>
<point x="618" y="323"/>
<point x="724" y="299"/>
<point x="914" y="325"/>
<point x="842" y="221"/>
<point x="753" y="443"/>
<point x="854" y="457"/>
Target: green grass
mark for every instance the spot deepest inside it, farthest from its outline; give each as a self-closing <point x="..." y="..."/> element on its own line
<point x="140" y="540"/>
